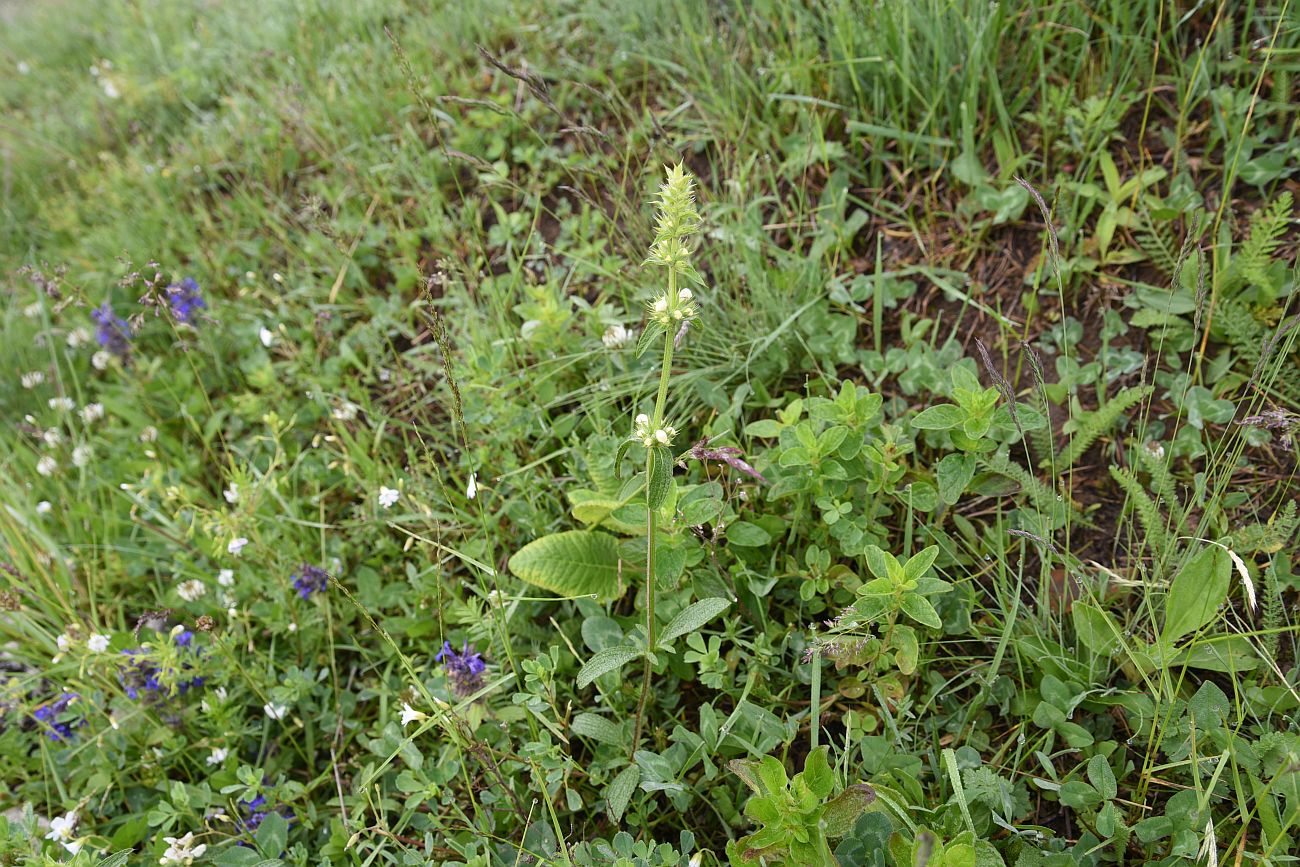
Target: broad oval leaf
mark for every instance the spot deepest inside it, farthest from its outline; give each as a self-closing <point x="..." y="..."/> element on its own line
<point x="572" y="563"/>
<point x="620" y="791"/>
<point x="692" y="617"/>
<point x="596" y="727"/>
<point x="940" y="417"/>
<point x="1196" y="593"/>
<point x="610" y="659"/>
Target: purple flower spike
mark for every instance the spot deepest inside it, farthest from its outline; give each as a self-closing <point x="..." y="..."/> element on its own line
<point x="185" y="300"/>
<point x="464" y="669"/>
<point x="111" y="331"/>
<point x="310" y="579"/>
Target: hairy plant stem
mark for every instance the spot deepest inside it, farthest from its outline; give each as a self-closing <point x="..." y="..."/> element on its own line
<point x="665" y="371"/>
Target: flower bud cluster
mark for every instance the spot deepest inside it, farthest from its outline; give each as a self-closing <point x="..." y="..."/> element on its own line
<point x="650" y="436"/>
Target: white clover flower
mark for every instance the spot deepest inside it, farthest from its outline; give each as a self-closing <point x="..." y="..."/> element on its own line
<point x="388" y="496"/>
<point x="43" y="507"/>
<point x="192" y="590"/>
<point x="148" y="434"/>
<point x="346" y="411"/>
<point x="78" y="337"/>
<point x="61" y="828"/>
<point x="275" y="711"/>
<point x="81" y="455"/>
<point x="231" y="493"/>
<point x="110" y="89"/>
<point x="236" y="546"/>
<point x="218" y="756"/>
<point x="410" y="715"/>
<point x="33" y="310"/>
<point x="47" y="466"/>
<point x="52" y="437"/>
<point x="471" y="490"/>
<point x="267" y="336"/>
<point x="101" y="359"/>
<point x="32" y="378"/>
<point x="226" y="577"/>
<point x="98" y="642"/>
<point x="181" y="850"/>
<point x="616" y="337"/>
<point x="92" y="412"/>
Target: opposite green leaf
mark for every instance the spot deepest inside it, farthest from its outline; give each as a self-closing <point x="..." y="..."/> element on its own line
<point x="610" y="659"/>
<point x="620" y="791"/>
<point x="693" y="617"/>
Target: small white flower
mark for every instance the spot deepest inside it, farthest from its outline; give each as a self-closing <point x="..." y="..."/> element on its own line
<point x="226" y="577"/>
<point x="192" y="590"/>
<point x="388" y="496"/>
<point x="231" y="493"/>
<point x="32" y="378"/>
<point x="267" y="336"/>
<point x="236" y="545"/>
<point x="181" y="850"/>
<point x="24" y="68"/>
<point x="81" y="455"/>
<point x="148" y="434"/>
<point x="275" y="711"/>
<point x="218" y="756"/>
<point x="64" y="641"/>
<point x="47" y="466"/>
<point x="92" y="412"/>
<point x="643" y="420"/>
<point x="277" y="277"/>
<point x="78" y="337"/>
<point x="98" y="643"/>
<point x="101" y="359"/>
<point x="62" y="404"/>
<point x="61" y="828"/>
<point x="33" y="310"/>
<point x="616" y="337"/>
<point x="346" y="411"/>
<point x="410" y="715"/>
<point x="662" y="436"/>
<point x="684" y="295"/>
<point x="471" y="490"/>
<point x="43" y="507"/>
<point x="110" y="89"/>
<point x="52" y="437"/>
<point x="661" y="304"/>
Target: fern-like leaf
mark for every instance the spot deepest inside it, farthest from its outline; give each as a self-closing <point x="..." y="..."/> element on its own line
<point x="1162" y="482"/>
<point x="1146" y="509"/>
<point x="1268" y="225"/>
<point x="1099" y="421"/>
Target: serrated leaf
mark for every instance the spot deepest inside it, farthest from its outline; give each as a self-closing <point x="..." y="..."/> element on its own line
<point x="572" y="563"/>
<point x="610" y="659"/>
<point x="661" y="477"/>
<point x="620" y="791"/>
<point x="941" y="417"/>
<point x="590" y="725"/>
<point x="692" y="617"/>
<point x="651" y="331"/>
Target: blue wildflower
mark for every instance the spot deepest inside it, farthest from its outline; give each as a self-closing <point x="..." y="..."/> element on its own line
<point x="185" y="300"/>
<point x="256" y="809"/>
<point x="142" y="677"/>
<point x="309" y="579"/>
<point x="111" y="331"/>
<point x="464" y="669"/>
<point x="54" y="717"/>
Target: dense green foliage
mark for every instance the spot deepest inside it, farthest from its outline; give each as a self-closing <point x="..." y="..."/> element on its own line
<point x="518" y="431"/>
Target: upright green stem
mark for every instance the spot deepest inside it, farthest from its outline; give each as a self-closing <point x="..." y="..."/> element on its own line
<point x="665" y="371"/>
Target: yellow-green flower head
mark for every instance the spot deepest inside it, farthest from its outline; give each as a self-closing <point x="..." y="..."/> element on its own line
<point x="677" y="219"/>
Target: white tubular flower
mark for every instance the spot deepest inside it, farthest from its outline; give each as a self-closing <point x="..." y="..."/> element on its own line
<point x="275" y="711"/>
<point x="97" y="643"/>
<point x="388" y="496"/>
<point x="410" y="715"/>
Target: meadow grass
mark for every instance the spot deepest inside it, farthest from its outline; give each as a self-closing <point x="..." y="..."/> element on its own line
<point x="971" y="542"/>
